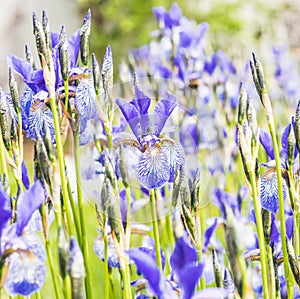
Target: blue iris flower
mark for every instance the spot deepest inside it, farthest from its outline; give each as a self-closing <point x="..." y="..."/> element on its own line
<point x="269" y="183"/>
<point x="161" y="157"/>
<point x="21" y="249"/>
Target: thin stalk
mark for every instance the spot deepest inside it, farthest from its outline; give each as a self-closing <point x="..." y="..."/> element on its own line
<point x="52" y="269"/>
<point x="3" y="164"/>
<point x="37" y="295"/>
<point x="128" y="218"/>
<point x="75" y="215"/>
<point x="260" y="233"/>
<point x="155" y="230"/>
<point x="287" y="272"/>
<point x="67" y="287"/>
<point x="61" y="162"/>
<point x="106" y="270"/>
<point x="82" y="218"/>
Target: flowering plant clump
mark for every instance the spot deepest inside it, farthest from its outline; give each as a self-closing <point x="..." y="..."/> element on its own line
<point x="182" y="205"/>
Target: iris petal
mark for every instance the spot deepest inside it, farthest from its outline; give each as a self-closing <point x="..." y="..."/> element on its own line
<point x="153" y="168"/>
<point x="269" y="191"/>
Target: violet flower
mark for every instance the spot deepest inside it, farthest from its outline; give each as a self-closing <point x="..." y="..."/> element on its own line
<point x="20" y="249"/>
<point x="160" y="157"/>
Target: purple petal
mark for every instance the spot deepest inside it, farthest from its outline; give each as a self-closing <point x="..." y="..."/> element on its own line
<point x="131" y="115"/>
<point x="269" y="191"/>
<point x="208" y="234"/>
<point x="183" y="254"/>
<point x="175" y="155"/>
<point x="25" y="176"/>
<point x="188" y="278"/>
<point x="153" y="168"/>
<point x="266" y="141"/>
<point x="147" y="266"/>
<point x="159" y="12"/>
<point x="26" y="275"/>
<point x="21" y="66"/>
<point x="31" y="200"/>
<point x="73" y="47"/>
<point x="140" y="101"/>
<point x="5" y="210"/>
<point x="284" y="139"/>
<point x="162" y="111"/>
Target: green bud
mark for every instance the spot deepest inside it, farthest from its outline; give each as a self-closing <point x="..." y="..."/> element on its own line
<point x="96" y="74"/>
<point x="46" y="28"/>
<point x="63" y="54"/>
<point x="242" y="104"/>
<point x="14" y="90"/>
<point x="217" y="269"/>
<point x="63" y="252"/>
<point x="293" y="262"/>
<point x="267" y="224"/>
<point x="297" y="126"/>
<point x="40" y="38"/>
<point x="84" y="38"/>
<point x="29" y="56"/>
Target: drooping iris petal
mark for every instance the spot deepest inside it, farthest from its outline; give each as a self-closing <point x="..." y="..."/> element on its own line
<point x="266" y="141"/>
<point x="39" y="116"/>
<point x="188" y="278"/>
<point x="175" y="155"/>
<point x="153" y="168"/>
<point x="31" y="200"/>
<point x="148" y="267"/>
<point x="5" y="209"/>
<point x="162" y="111"/>
<point x="269" y="191"/>
<point x="26" y="275"/>
<point x="183" y="254"/>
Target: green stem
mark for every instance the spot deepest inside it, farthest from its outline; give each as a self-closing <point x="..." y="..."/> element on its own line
<point x="260" y="233"/>
<point x="61" y="162"/>
<point x="82" y="219"/>
<point x="106" y="270"/>
<point x="287" y="272"/>
<point x="3" y="164"/>
<point x="128" y="218"/>
<point x="67" y="287"/>
<point x="75" y="214"/>
<point x="155" y="230"/>
<point x="52" y="269"/>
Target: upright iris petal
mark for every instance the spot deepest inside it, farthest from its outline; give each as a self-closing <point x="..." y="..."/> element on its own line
<point x="160" y="157"/>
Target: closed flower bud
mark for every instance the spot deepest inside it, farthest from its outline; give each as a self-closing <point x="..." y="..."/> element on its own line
<point x="297" y="126"/>
<point x="76" y="270"/>
<point x="43" y="158"/>
<point x="293" y="262"/>
<point x="242" y="104"/>
<point x="63" y="252"/>
<point x="29" y="56"/>
<point x="123" y="167"/>
<point x="84" y="38"/>
<point x="46" y="28"/>
<point x="195" y="191"/>
<point x="267" y="224"/>
<point x="96" y="74"/>
<point x="217" y="269"/>
<point x="40" y="38"/>
<point x="49" y="144"/>
<point x="291" y="145"/>
<point x="14" y="90"/>
<point x="63" y="54"/>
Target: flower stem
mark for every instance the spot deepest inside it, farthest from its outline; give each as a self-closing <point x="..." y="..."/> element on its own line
<point x="155" y="230"/>
<point x="260" y="233"/>
<point x="3" y="164"/>
<point x="52" y="269"/>
<point x="288" y="277"/>
<point x="82" y="219"/>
